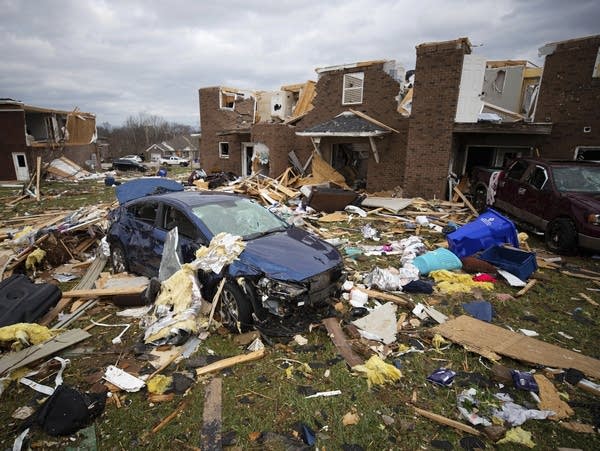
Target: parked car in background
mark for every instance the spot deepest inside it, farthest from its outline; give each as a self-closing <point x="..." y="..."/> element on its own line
<point x="123" y="164"/>
<point x="559" y="198"/>
<point x="174" y="161"/>
<point x="281" y="270"/>
<point x="135" y="158"/>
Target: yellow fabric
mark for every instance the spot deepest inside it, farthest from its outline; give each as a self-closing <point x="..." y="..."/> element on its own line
<point x="378" y="372"/>
<point x="518" y="435"/>
<point x="449" y="282"/>
<point x="159" y="384"/>
<point x="34" y="258"/>
<point x="26" y="334"/>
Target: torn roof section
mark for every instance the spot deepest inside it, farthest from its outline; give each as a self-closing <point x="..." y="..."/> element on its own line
<point x="348" y="124"/>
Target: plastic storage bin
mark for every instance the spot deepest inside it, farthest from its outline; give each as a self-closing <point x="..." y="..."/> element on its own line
<point x="488" y="229"/>
<point x="520" y="263"/>
<point x="438" y="259"/>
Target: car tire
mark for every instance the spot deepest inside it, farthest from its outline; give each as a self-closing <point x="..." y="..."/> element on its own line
<point x="480" y="199"/>
<point x="235" y="308"/>
<point x="561" y="236"/>
<point x="118" y="259"/>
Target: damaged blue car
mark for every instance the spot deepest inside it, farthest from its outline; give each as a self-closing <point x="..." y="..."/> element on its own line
<point x="281" y="270"/>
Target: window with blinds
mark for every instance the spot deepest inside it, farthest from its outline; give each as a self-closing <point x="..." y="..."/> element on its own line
<point x="353" y="88"/>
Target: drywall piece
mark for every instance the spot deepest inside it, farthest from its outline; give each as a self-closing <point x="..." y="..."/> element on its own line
<point x="394" y="204"/>
<point x="22" y="358"/>
<point x="487" y="339"/>
<point x="123" y="379"/>
<point x="380" y="324"/>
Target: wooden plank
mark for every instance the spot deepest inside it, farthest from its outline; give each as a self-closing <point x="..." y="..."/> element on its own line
<point x="37" y="178"/>
<point x="479" y="336"/>
<point x="29" y="355"/>
<point x="103" y="292"/>
<point x="465" y="200"/>
<point x="212" y="421"/>
<point x="52" y="314"/>
<point x="447" y="421"/>
<point x="231" y="361"/>
<point x="341" y="342"/>
<point x="526" y="288"/>
<point x="386" y="297"/>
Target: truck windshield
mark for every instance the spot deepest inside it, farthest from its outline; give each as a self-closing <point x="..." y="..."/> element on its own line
<point x="582" y="179"/>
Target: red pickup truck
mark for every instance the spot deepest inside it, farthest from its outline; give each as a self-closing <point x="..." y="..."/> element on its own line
<point x="559" y="198"/>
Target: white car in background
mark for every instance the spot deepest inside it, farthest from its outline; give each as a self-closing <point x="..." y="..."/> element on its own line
<point x="174" y="161"/>
<point x="135" y="158"/>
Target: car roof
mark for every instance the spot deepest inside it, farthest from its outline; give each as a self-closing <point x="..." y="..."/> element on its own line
<point x="192" y="198"/>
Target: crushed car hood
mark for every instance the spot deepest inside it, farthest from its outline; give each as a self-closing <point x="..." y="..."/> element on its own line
<point x="141" y="187"/>
<point x="291" y="255"/>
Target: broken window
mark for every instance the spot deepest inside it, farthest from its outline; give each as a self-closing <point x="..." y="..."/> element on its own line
<point x="596" y="71"/>
<point x="227" y="99"/>
<point x="353" y="88"/>
<point x="223" y="150"/>
<point x="145" y="212"/>
<point x="538" y="177"/>
<point x="174" y="218"/>
<point x="498" y="83"/>
<point x="517" y="170"/>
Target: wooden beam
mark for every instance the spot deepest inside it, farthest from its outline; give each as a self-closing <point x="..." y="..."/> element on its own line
<point x="231" y="361"/>
<point x="212" y="420"/>
<point x="103" y="292"/>
<point x="37" y="178"/>
<point x="447" y="421"/>
<point x="341" y="342"/>
<point x="374" y="149"/>
<point x="386" y="297"/>
<point x="465" y="200"/>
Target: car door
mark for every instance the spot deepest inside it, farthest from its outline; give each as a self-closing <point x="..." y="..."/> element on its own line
<point x="507" y="195"/>
<point x="535" y="193"/>
<point x="139" y="237"/>
<point x="190" y="238"/>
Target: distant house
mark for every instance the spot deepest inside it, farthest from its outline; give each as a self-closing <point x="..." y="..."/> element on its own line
<point x="184" y="146"/>
<point x="28" y="132"/>
<point x="381" y="130"/>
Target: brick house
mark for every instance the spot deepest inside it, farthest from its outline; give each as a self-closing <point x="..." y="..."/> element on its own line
<point x="27" y="132"/>
<point x="380" y="135"/>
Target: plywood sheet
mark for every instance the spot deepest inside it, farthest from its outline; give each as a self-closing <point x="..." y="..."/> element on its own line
<point x="482" y="337"/>
<point x="394" y="204"/>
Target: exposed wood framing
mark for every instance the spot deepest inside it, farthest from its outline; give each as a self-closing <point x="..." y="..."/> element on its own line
<point x="374" y="149"/>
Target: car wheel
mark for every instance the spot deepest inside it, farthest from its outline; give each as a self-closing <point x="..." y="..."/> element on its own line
<point x="480" y="199"/>
<point x="561" y="236"/>
<point x="235" y="308"/>
<point x="118" y="259"/>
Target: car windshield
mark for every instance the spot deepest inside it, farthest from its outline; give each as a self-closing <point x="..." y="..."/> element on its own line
<point x="239" y="216"/>
<point x="583" y="179"/>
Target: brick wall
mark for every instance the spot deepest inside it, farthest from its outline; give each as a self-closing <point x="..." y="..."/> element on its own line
<point x="435" y="97"/>
<point x="215" y="120"/>
<point x="570" y="97"/>
<point x="379" y="102"/>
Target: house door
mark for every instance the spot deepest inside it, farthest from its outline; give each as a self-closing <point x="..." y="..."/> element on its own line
<point x="247" y="152"/>
<point x="21" y="169"/>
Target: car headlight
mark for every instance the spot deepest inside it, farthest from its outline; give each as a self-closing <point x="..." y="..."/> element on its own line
<point x="593" y="219"/>
<point x="282" y="290"/>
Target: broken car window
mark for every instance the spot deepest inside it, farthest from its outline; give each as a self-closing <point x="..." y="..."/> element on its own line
<point x="538" y="177"/>
<point x="241" y="217"/>
<point x="517" y="170"/>
<point x="145" y="212"/>
<point x="174" y="218"/>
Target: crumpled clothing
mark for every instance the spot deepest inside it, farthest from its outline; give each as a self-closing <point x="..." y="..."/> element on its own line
<point x="515" y="414"/>
<point x="449" y="282"/>
<point x="484" y="278"/>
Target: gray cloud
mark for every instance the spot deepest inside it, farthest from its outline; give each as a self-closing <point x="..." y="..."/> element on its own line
<point x="119" y="58"/>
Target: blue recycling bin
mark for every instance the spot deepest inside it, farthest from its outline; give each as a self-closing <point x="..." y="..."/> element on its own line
<point x="489" y="229"/>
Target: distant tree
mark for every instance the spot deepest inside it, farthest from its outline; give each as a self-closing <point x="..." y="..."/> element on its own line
<point x="139" y="132"/>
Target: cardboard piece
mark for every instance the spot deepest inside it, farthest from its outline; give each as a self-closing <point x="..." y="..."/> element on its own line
<point x="488" y="339"/>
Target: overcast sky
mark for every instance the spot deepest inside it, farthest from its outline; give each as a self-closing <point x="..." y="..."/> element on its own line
<point x="120" y="58"/>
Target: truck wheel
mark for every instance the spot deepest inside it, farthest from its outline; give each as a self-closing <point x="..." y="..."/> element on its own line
<point x="480" y="199"/>
<point x="561" y="236"/>
<point x="235" y="308"/>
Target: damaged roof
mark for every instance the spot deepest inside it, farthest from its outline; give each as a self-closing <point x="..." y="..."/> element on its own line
<point x="348" y="123"/>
